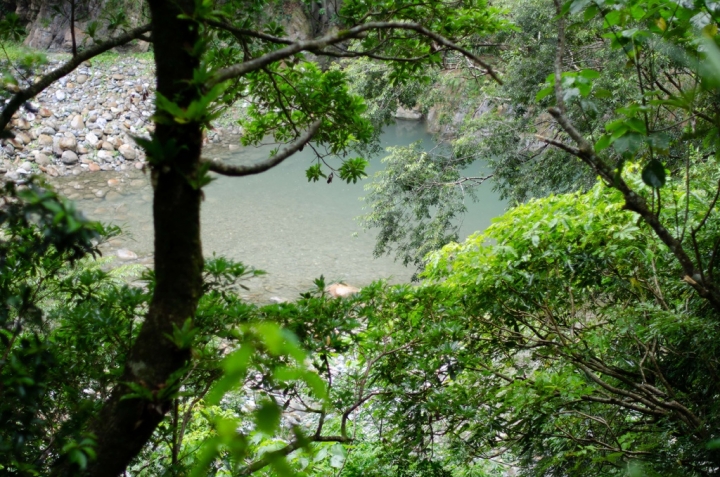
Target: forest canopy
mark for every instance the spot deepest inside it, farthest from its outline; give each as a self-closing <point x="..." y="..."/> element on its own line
<point x="577" y="335"/>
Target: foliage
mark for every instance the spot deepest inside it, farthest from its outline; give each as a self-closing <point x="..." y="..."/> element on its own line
<point x="415" y="201"/>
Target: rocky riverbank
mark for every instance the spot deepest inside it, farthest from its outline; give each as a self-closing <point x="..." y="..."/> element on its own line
<point x="86" y="121"/>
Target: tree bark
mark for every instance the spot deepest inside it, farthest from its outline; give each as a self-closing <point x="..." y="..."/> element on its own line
<point x="124" y="426"/>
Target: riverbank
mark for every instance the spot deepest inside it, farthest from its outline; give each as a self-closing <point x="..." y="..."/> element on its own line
<point x="86" y="121"/>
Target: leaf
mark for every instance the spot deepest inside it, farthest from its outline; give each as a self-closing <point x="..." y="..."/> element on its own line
<point x="544" y="92"/>
<point x="653" y="174"/>
<point x="267" y="417"/>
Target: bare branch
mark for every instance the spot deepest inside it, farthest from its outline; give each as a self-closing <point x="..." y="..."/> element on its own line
<point x="243" y="32"/>
<point x="241" y="69"/>
<point x="269" y="163"/>
<point x="31" y="91"/>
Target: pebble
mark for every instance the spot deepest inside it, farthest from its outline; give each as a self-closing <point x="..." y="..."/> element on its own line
<point x="60" y="95"/>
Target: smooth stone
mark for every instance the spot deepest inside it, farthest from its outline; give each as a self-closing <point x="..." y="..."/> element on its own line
<point x="27" y="165"/>
<point x="77" y="122"/>
<point x="340" y="290"/>
<point x="125" y="254"/>
<point x="60" y="95"/>
<point x="113" y="182"/>
<point x="100" y="194"/>
<point x="69" y="157"/>
<point x="127" y="152"/>
<point x="92" y="139"/>
<point x="68" y="144"/>
<point x="45" y="112"/>
<point x="42" y="159"/>
<point x="45" y="140"/>
<point x="93" y="167"/>
<point x="105" y="155"/>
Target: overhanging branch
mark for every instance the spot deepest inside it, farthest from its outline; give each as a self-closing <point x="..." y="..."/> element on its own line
<point x="269" y="163"/>
<point x="241" y="69"/>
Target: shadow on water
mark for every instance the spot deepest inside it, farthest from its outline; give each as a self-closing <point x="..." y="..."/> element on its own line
<point x="280" y="223"/>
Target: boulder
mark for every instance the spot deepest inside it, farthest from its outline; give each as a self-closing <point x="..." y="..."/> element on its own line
<point x="340" y="290"/>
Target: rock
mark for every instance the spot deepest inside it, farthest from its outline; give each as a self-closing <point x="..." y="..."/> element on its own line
<point x="125" y="254"/>
<point x="23" y="137"/>
<point x="127" y="152"/>
<point x="94" y="167"/>
<point x="278" y="300"/>
<point x="100" y="194"/>
<point x="81" y="79"/>
<point x="107" y="146"/>
<point x="22" y="124"/>
<point x="139" y="165"/>
<point x="60" y="95"/>
<point x="45" y="140"/>
<point x="409" y="114"/>
<point x="113" y="182"/>
<point x="118" y="77"/>
<point x="340" y="290"/>
<point x="69" y="157"/>
<point x="77" y="122"/>
<point x="47" y="130"/>
<point x="27" y="165"/>
<point x="52" y="171"/>
<point x="92" y="139"/>
<point x="42" y="160"/>
<point x="105" y="155"/>
<point x="45" y="112"/>
<point x="68" y="144"/>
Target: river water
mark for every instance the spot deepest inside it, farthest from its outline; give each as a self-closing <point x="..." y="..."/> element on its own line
<point x="275" y="221"/>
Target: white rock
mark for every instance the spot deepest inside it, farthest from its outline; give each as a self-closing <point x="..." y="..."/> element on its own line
<point x="77" y="122"/>
<point x="125" y="254"/>
<point x="92" y="139"/>
<point x="60" y="95"/>
<point x="340" y="290"/>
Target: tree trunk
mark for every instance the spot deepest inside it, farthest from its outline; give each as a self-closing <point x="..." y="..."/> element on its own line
<point x="125" y="425"/>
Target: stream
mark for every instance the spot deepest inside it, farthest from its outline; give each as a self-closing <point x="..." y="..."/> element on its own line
<point x="276" y="221"/>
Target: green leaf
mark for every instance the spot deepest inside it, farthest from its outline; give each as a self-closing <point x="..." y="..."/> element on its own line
<point x="653" y="174"/>
<point x="267" y="417"/>
<point x="544" y="92"/>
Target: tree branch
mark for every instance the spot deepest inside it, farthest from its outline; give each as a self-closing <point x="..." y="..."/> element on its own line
<point x="241" y="69"/>
<point x="31" y="91"/>
<point x="287" y="450"/>
<point x="269" y="163"/>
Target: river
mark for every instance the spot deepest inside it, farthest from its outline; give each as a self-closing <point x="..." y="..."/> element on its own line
<point x="275" y="221"/>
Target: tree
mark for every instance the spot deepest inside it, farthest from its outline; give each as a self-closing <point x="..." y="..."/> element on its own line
<point x="207" y="58"/>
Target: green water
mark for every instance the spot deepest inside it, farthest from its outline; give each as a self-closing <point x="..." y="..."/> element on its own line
<point x="280" y="223"/>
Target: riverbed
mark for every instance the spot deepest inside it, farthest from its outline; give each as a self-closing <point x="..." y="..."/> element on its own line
<point x="276" y="221"/>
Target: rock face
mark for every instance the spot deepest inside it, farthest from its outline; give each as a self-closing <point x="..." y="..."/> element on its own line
<point x="408" y="114"/>
<point x="49" y="30"/>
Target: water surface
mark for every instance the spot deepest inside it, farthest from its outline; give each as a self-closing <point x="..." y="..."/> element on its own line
<point x="277" y="221"/>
